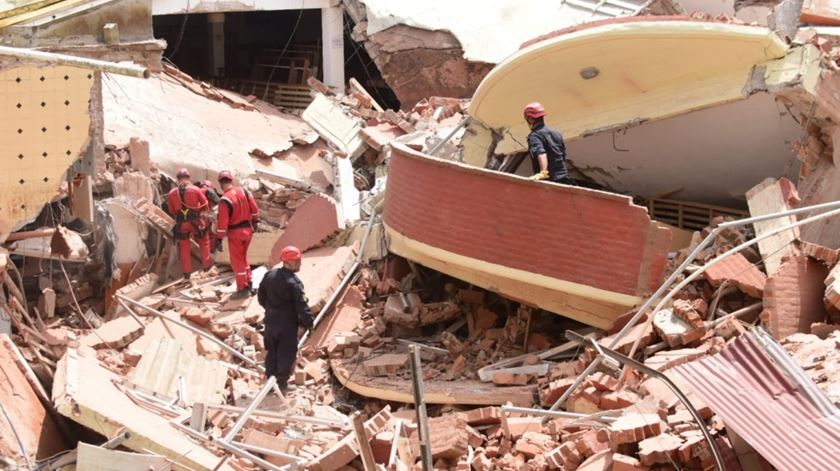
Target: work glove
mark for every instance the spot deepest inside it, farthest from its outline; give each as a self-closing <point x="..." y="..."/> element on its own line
<point x="543" y="175"/>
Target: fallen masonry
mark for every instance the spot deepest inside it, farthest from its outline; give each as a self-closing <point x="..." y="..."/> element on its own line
<point x="114" y="359"/>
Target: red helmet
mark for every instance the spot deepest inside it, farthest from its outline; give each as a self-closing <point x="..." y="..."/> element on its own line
<point x="290" y="253"/>
<point x="183" y="173"/>
<point x="225" y="175"/>
<point x="206" y="184"/>
<point x="534" y="110"/>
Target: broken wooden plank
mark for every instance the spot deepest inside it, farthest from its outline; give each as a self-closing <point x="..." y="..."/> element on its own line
<point x="93" y="458"/>
<point x="768" y="197"/>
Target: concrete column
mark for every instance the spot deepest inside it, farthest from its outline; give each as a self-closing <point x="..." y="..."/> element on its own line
<point x="217" y="43"/>
<point x="332" y="37"/>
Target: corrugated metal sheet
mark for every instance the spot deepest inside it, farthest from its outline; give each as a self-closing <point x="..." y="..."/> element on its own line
<point x="767" y="403"/>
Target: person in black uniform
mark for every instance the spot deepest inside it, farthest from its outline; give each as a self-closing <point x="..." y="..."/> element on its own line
<point x="546" y="146"/>
<point x="286" y="309"/>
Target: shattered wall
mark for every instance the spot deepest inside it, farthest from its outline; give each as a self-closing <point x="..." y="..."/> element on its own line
<point x="441" y="48"/>
<point x="82" y="25"/>
<point x="45" y="123"/>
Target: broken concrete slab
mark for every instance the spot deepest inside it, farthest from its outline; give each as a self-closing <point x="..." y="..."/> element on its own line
<point x="312" y="223"/>
<point x="85" y="392"/>
<point x="334" y="125"/>
<point x="116" y="333"/>
<point x="346" y="317"/>
<point x="768" y="197"/>
<point x="740" y="272"/>
<point x="166" y="360"/>
<point x="820" y="12"/>
<point x="137" y="290"/>
<point x="793" y="297"/>
<point x="94" y="458"/>
<point x="321" y="271"/>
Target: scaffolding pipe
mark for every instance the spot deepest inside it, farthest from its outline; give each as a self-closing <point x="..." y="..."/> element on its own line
<point x="627" y="361"/>
<point x="131" y="70"/>
<point x="726" y="254"/>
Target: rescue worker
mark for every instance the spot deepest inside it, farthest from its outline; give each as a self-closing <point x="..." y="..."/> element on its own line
<point x="237" y="217"/>
<point x="546" y="147"/>
<point x="210" y="193"/>
<point x="286" y="309"/>
<point x="188" y="205"/>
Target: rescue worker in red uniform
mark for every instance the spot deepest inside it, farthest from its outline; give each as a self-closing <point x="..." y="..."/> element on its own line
<point x="188" y="205"/>
<point x="286" y="309"/>
<point x="209" y="192"/>
<point x="238" y="216"/>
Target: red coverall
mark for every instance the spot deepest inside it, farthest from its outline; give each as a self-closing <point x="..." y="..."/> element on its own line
<point x="187" y="204"/>
<point x="237" y="212"/>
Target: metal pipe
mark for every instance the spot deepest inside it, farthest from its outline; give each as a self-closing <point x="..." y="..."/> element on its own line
<point x="192" y="329"/>
<point x="132" y="314"/>
<point x="272" y="380"/>
<point x="330" y="302"/>
<point x="116" y="441"/>
<point x="663" y="287"/>
<point x="266" y="451"/>
<point x="788" y="212"/>
<point x="556" y="413"/>
<point x="340" y="424"/>
<point x="449" y="136"/>
<point x="243" y="454"/>
<point x="420" y="407"/>
<point x="131" y="70"/>
<point x="574" y="336"/>
<point x="721" y="257"/>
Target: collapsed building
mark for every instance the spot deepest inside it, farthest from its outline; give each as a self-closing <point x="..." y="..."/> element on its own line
<point x="675" y="310"/>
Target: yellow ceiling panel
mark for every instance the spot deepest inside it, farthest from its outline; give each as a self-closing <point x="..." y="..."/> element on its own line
<point x="645" y="70"/>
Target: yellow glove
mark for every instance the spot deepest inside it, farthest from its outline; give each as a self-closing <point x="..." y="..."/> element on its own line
<point x="543" y="175"/>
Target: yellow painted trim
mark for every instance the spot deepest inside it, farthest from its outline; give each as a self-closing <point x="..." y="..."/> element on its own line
<point x="649" y="70"/>
<point x="588" y="304"/>
<point x="511" y="273"/>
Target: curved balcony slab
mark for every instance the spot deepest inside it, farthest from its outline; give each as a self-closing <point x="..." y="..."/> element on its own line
<point x="585" y="254"/>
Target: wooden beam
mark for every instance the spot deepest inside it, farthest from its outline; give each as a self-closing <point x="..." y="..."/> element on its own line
<point x="363" y="441"/>
<point x="420" y="407"/>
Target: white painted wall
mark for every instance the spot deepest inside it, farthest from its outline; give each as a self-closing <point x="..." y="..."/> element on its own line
<point x="489" y="30"/>
<point x="714" y="7"/>
<point x="716" y="154"/>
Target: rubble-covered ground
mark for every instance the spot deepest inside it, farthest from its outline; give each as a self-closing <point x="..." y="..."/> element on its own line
<point x="110" y="356"/>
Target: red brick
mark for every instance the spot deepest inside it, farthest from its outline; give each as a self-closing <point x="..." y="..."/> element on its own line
<point x="501" y="378"/>
<point x="793" y="297"/>
<point x="387" y="364"/>
<point x="633" y="427"/>
<point x="449" y="437"/>
<point x="555" y="389"/>
<point x="819" y="252"/>
<point x="692" y="312"/>
<point x="626" y="463"/>
<point x="533" y="443"/>
<point x="740" y="272"/>
<point x="820" y="12"/>
<point x="346" y="450"/>
<point x="484" y="416"/>
<point x="618" y="399"/>
<point x="588" y="444"/>
<point x="565" y="456"/>
<point x="380" y="134"/>
<point x="313" y="221"/>
<point x="662" y="448"/>
<point x="602" y="381"/>
<point x="430" y="200"/>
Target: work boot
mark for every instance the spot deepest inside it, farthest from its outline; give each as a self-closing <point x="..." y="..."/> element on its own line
<point x="240" y="294"/>
<point x="251" y="289"/>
